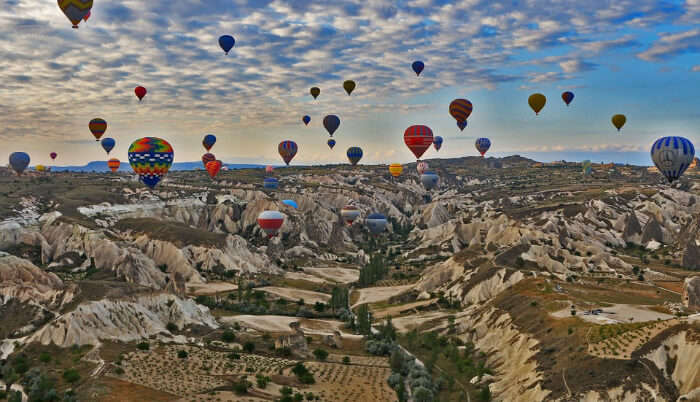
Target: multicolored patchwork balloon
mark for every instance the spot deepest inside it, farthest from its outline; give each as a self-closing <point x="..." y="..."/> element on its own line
<point x="75" y="10"/>
<point x="287" y="150"/>
<point x="151" y="158"/>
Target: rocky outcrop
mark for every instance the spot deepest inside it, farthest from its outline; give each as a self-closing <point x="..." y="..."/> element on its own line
<point x="691" y="292"/>
<point x="677" y="357"/>
<point x="691" y="256"/>
<point x="652" y="231"/>
<point x="632" y="229"/>
<point x="22" y="280"/>
<point x="296" y="342"/>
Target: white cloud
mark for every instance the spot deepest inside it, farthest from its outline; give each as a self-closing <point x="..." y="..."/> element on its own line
<point x="672" y="44"/>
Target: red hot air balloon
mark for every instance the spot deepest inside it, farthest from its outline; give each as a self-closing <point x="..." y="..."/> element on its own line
<point x="213" y="168"/>
<point x="53" y="156"/>
<point x="97" y="127"/>
<point x="140" y="92"/>
<point x="287" y="149"/>
<point x="206" y="158"/>
<point x="87" y="16"/>
<point x="269" y="169"/>
<point x="418" y="139"/>
<point x="113" y="164"/>
<point x="271" y="222"/>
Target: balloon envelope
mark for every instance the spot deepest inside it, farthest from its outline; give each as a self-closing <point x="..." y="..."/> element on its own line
<point x="315" y="92"/>
<point x="269" y="169"/>
<point x="290" y="203"/>
<point x="376" y="223"/>
<point x="287" y="150"/>
<point x="586" y="167"/>
<point x="418" y="139"/>
<point x="306" y="120"/>
<point x="672" y="156"/>
<point x="422" y="167"/>
<point x="331" y="143"/>
<point x="108" y="144"/>
<point x="395" y="169"/>
<point x="113" y="164"/>
<point x="270" y="183"/>
<point x="209" y="141"/>
<point x="618" y="121"/>
<point x="97" y="127"/>
<point x="537" y="102"/>
<point x="462" y="125"/>
<point x="206" y="158"/>
<point x="19" y="161"/>
<point x="349" y="86"/>
<point x="75" y="10"/>
<point x="418" y="67"/>
<point x="213" y="168"/>
<point x="567" y="96"/>
<point x="140" y="92"/>
<point x="430" y="180"/>
<point x="349" y="213"/>
<point x="437" y="142"/>
<point x="40" y="168"/>
<point x="226" y="42"/>
<point x="53" y="155"/>
<point x="331" y="123"/>
<point x="354" y="155"/>
<point x="270" y="222"/>
<point x="482" y="145"/>
<point x="151" y="158"/>
<point x="461" y="109"/>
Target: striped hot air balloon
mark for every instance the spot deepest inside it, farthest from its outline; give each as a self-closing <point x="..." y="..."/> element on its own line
<point x="395" y="169"/>
<point x="482" y="145"/>
<point x="349" y="213"/>
<point x="354" y="155"/>
<point x="287" y="149"/>
<point x="151" y="158"/>
<point x="418" y="139"/>
<point x="460" y="109"/>
<point x="213" y="168"/>
<point x="672" y="156"/>
<point x="113" y="164"/>
<point x="97" y="127"/>
<point x="271" y="222"/>
<point x="206" y="158"/>
<point x="75" y="10"/>
<point x="376" y="223"/>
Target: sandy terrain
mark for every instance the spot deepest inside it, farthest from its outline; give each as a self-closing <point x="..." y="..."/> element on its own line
<point x="280" y="324"/>
<point x="616" y="314"/>
<point x="304" y="277"/>
<point x="395" y="311"/>
<point x="374" y="295"/>
<point x="296" y="294"/>
<point x="340" y="275"/>
<point x="198" y="289"/>
<point x="409" y="322"/>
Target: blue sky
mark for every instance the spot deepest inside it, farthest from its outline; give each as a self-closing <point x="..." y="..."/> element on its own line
<point x="636" y="57"/>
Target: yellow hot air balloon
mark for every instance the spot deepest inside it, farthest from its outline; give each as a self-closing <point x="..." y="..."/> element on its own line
<point x="395" y="169"/>
<point x="40" y="168"/>
<point x="75" y="10"/>
<point x="618" y="121"/>
<point x="537" y="102"/>
<point x="349" y="86"/>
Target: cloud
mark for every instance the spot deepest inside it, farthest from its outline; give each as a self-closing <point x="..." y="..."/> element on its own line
<point x="576" y="66"/>
<point x="605" y="45"/>
<point x="672" y="44"/>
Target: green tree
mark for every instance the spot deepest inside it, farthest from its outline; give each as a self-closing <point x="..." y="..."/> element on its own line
<point x="364" y="320"/>
<point x="71" y="375"/>
<point x="346" y="360"/>
<point x="321" y="354"/>
<point x="228" y="336"/>
<point x="249" y="347"/>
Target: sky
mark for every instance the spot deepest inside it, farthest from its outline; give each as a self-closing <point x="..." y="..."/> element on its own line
<point x="640" y="58"/>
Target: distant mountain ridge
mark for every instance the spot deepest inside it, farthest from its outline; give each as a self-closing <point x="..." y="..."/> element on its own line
<point x="101" y="166"/>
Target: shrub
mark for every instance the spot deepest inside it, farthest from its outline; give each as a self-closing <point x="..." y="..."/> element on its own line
<point x="182" y="354"/>
<point x="249" y="347"/>
<point x="228" y="336"/>
<point x="346" y="360"/>
<point x="71" y="375"/>
<point x="285" y="351"/>
<point x="119" y="371"/>
<point x="321" y="354"/>
<point x="143" y="346"/>
<point x="234" y="356"/>
<point x="171" y="327"/>
<point x="241" y="387"/>
<point x="44" y="357"/>
<point x="286" y="391"/>
<point x="262" y="381"/>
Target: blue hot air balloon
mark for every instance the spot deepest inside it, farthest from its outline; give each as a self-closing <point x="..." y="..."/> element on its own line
<point x="354" y="155"/>
<point x="19" y="161"/>
<point x="331" y="123"/>
<point x="290" y="203"/>
<point x="376" y="223"/>
<point x="209" y="141"/>
<point x="306" y="120"/>
<point x="418" y="67"/>
<point x="437" y="142"/>
<point x="482" y="145"/>
<point x="567" y="97"/>
<point x="462" y="124"/>
<point x="108" y="144"/>
<point x="226" y="42"/>
<point x="270" y="183"/>
<point x="430" y="180"/>
<point x="672" y="156"/>
<point x="331" y="143"/>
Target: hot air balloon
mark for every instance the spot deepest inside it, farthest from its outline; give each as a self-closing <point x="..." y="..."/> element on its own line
<point x="287" y="149"/>
<point x="140" y="92"/>
<point x="672" y="156"/>
<point x="418" y="139"/>
<point x="206" y="158"/>
<point x="430" y="180"/>
<point x="437" y="142"/>
<point x="331" y="143"/>
<point x="270" y="183"/>
<point x="482" y="145"/>
<point x="209" y="141"/>
<point x="75" y="10"/>
<point x="270" y="222"/>
<point x="306" y="120"/>
<point x="87" y="16"/>
<point x="349" y="86"/>
<point x="395" y="169"/>
<point x="422" y="167"/>
<point x="376" y="223"/>
<point x="151" y="158"/>
<point x="586" y="167"/>
<point x="537" y="102"/>
<point x="461" y="109"/>
<point x="567" y="96"/>
<point x="354" y="155"/>
<point x="40" y="168"/>
<point x="269" y="169"/>
<point x="418" y="67"/>
<point x="53" y="155"/>
<point x="315" y="92"/>
<point x="349" y="213"/>
<point x="113" y="164"/>
<point x="462" y="125"/>
<point x="97" y="127"/>
<point x="618" y="121"/>
<point x="290" y="203"/>
<point x="226" y="42"/>
<point x="331" y="123"/>
<point x="108" y="144"/>
<point x="19" y="161"/>
<point x="213" y="168"/>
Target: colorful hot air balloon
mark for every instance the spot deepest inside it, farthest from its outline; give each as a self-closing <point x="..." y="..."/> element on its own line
<point x="140" y="92"/>
<point x="587" y="167"/>
<point x="290" y="203"/>
<point x="270" y="183"/>
<point x="672" y="156"/>
<point x="287" y="149"/>
<point x="462" y="125"/>
<point x="331" y="123"/>
<point x="422" y="167"/>
<point x="418" y="67"/>
<point x="213" y="168"/>
<point x="418" y="139"/>
<point x="461" y="109"/>
<point x="315" y="92"/>
<point x="151" y="158"/>
<point x="430" y="180"/>
<point x="209" y="141"/>
<point x="19" y="161"/>
<point x="113" y="164"/>
<point x="75" y="10"/>
<point x="108" y="144"/>
<point x="567" y="96"/>
<point x="53" y="155"/>
<point x="395" y="169"/>
<point x="437" y="142"/>
<point x="618" y="121"/>
<point x="349" y="213"/>
<point x="376" y="223"/>
<point x="306" y="120"/>
<point x="206" y="158"/>
<point x="537" y="102"/>
<point x="97" y="127"/>
<point x="226" y="42"/>
<point x="269" y="169"/>
<point x="331" y="143"/>
<point x="271" y="222"/>
<point x="87" y="16"/>
<point x="349" y="86"/>
<point x="354" y="155"/>
<point x="482" y="145"/>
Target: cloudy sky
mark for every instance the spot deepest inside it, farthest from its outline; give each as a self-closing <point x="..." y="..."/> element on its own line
<point x="636" y="57"/>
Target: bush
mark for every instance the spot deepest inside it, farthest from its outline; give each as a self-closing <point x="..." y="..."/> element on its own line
<point x="321" y="354"/>
<point x="44" y="357"/>
<point x="228" y="336"/>
<point x="71" y="375"/>
<point x="284" y="352"/>
<point x="286" y="391"/>
<point x="234" y="356"/>
<point x="346" y="360"/>
<point x="143" y="346"/>
<point x="241" y="387"/>
<point x="119" y="371"/>
<point x="262" y="381"/>
<point x="171" y="327"/>
<point x="303" y="374"/>
<point x="249" y="347"/>
<point x="485" y="394"/>
<point x="182" y="354"/>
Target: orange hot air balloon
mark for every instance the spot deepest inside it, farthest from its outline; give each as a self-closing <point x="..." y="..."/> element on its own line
<point x="213" y="168"/>
<point x="113" y="164"/>
<point x="395" y="169"/>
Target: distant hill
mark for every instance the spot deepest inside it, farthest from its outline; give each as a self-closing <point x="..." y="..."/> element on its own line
<point x="101" y="166"/>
